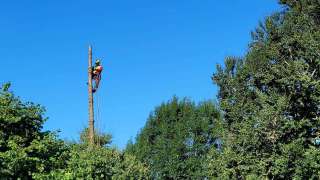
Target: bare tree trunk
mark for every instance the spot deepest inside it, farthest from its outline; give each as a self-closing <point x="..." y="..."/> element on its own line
<point x="91" y="115"/>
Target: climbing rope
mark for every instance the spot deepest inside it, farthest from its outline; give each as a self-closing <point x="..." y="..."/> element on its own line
<point x="98" y="117"/>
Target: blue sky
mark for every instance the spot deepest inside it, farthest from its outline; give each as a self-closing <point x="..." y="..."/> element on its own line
<point x="151" y="50"/>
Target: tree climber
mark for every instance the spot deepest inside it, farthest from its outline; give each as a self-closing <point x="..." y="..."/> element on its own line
<point x="96" y="74"/>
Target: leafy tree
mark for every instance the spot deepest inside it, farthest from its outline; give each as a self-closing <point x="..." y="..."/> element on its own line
<point x="176" y="138"/>
<point x="24" y="148"/>
<point x="97" y="162"/>
<point x="26" y="152"/>
<point x="101" y="139"/>
<point x="271" y="100"/>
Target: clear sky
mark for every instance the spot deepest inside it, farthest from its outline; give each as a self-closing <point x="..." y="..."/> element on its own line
<point x="151" y="50"/>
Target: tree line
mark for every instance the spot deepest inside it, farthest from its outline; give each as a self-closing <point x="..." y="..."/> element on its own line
<point x="266" y="124"/>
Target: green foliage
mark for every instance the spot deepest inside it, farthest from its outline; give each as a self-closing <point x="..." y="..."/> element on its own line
<point x="176" y="138"/>
<point x="24" y="149"/>
<point x="271" y="100"/>
<point x="101" y="139"/>
<point x="98" y="163"/>
<point x="270" y="125"/>
<point x="26" y="152"/>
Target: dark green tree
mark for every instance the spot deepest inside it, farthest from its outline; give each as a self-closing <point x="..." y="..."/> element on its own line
<point x="270" y="100"/>
<point x="24" y="148"/>
<point x="26" y="152"/>
<point x="176" y="139"/>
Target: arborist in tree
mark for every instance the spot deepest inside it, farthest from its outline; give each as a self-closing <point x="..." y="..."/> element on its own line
<point x="96" y="74"/>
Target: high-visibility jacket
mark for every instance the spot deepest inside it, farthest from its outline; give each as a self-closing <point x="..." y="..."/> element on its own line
<point x="97" y="70"/>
